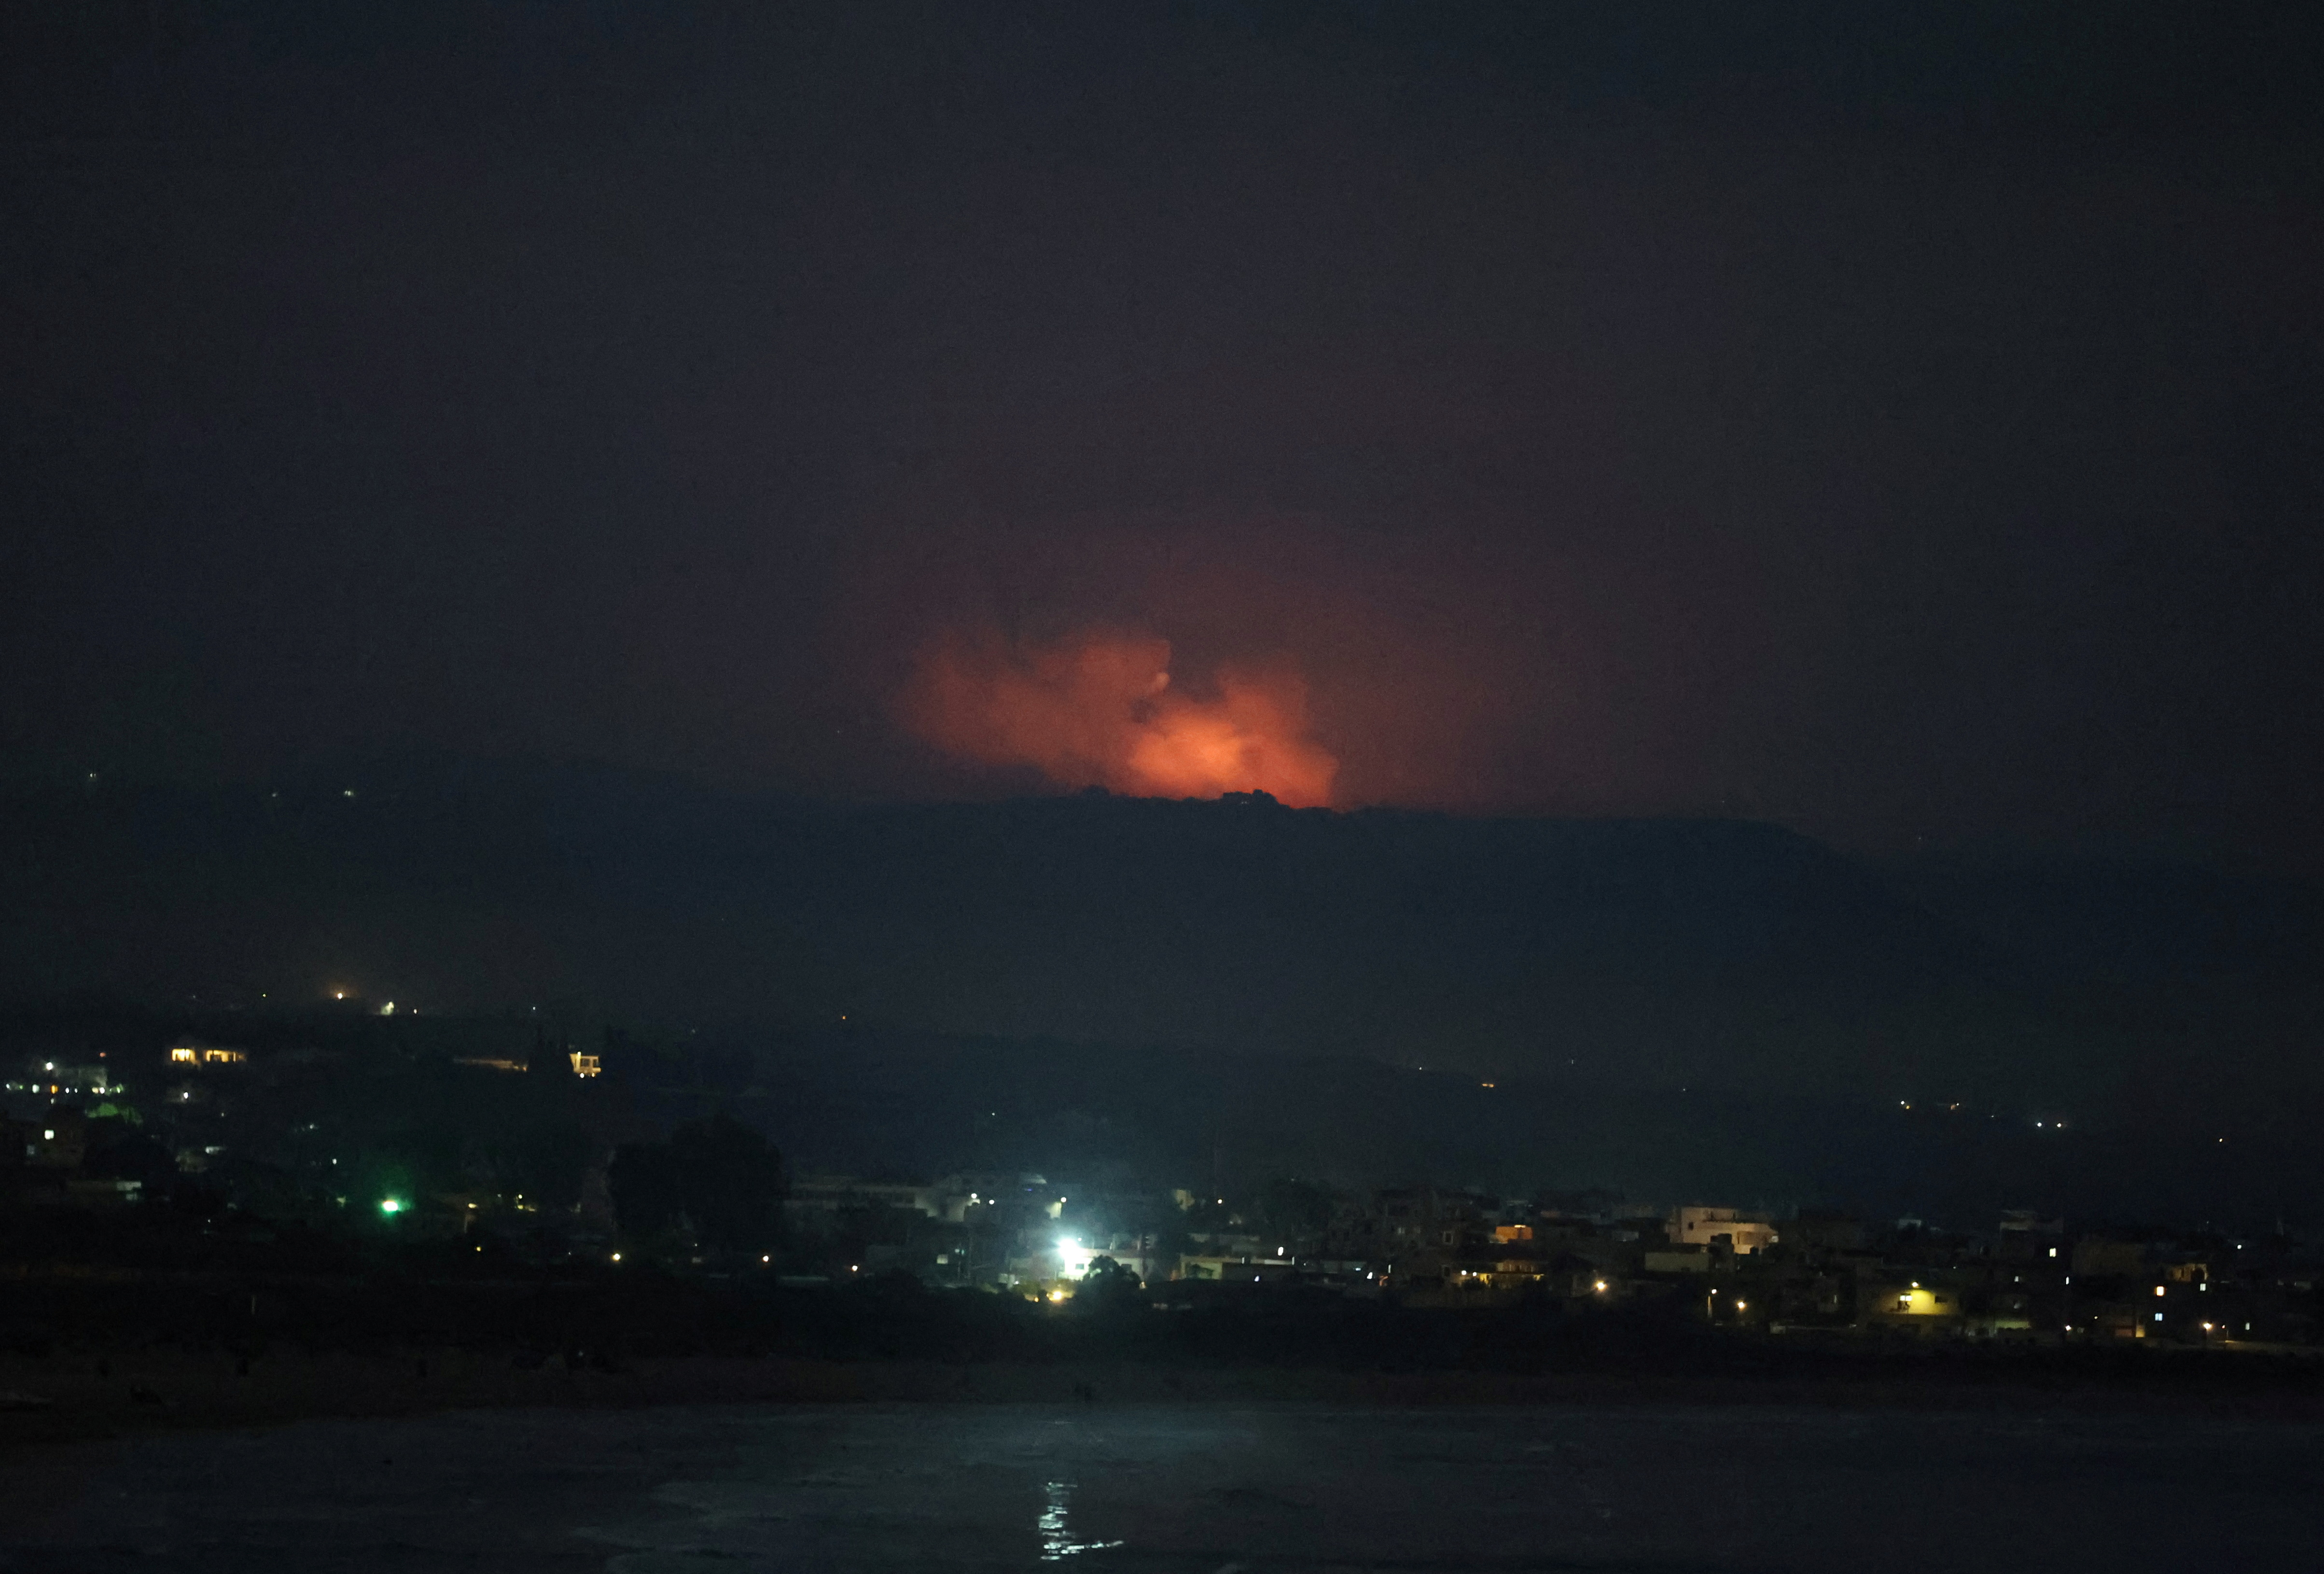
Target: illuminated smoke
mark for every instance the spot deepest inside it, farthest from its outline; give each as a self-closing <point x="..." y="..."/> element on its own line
<point x="1099" y="709"/>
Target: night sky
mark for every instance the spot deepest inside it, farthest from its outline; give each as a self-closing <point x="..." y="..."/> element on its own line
<point x="1905" y="424"/>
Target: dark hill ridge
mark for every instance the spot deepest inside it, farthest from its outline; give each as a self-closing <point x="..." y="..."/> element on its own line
<point x="1645" y="951"/>
<point x="1653" y="953"/>
<point x="886" y="1102"/>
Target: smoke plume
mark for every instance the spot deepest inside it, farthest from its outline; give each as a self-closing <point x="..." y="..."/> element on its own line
<point x="1098" y="709"/>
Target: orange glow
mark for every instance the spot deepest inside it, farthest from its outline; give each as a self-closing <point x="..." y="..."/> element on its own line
<point x="1099" y="709"/>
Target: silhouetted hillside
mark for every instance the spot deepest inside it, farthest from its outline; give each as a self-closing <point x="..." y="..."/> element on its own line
<point x="884" y="1102"/>
<point x="1638" y="955"/>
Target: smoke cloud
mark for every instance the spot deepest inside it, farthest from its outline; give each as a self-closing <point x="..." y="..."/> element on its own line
<point x="1098" y="709"/>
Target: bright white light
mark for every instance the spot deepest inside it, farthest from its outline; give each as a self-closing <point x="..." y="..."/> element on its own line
<point x="1074" y="1258"/>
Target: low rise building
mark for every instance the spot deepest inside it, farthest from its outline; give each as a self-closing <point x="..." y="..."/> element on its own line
<point x="1823" y="1231"/>
<point x="1676" y="1259"/>
<point x="1910" y="1303"/>
<point x="816" y="1202"/>
<point x="56" y="1141"/>
<point x="193" y="1051"/>
<point x="1745" y="1233"/>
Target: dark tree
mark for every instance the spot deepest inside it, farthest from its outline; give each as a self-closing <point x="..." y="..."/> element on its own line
<point x="1107" y="1286"/>
<point x="648" y="1200"/>
<point x="1211" y="1214"/>
<point x="120" y="1150"/>
<point x="715" y="1179"/>
<point x="732" y="1181"/>
<point x="1292" y="1210"/>
<point x="552" y="1160"/>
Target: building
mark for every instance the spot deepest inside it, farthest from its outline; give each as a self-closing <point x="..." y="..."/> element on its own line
<point x="2096" y="1256"/>
<point x="816" y="1202"/>
<point x="194" y="1053"/>
<point x="1237" y="1270"/>
<point x="2026" y="1237"/>
<point x="1677" y="1259"/>
<point x="1819" y="1232"/>
<point x="1428" y="1222"/>
<point x="1918" y="1303"/>
<point x="1745" y="1233"/>
<point x="45" y="1080"/>
<point x="55" y="1141"/>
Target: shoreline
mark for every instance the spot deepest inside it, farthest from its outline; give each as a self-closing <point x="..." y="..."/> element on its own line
<point x="90" y="1397"/>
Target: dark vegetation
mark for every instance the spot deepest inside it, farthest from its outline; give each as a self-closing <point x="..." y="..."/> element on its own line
<point x="715" y="1184"/>
<point x="608" y="1320"/>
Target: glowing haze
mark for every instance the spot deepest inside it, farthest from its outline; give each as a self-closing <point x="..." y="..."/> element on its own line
<point x="1098" y="709"/>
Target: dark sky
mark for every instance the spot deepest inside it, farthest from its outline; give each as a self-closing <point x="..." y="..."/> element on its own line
<point x="1901" y="422"/>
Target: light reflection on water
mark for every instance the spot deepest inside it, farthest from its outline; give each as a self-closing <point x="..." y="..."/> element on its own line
<point x="1056" y="1541"/>
<point x="1812" y="1491"/>
<point x="973" y="1489"/>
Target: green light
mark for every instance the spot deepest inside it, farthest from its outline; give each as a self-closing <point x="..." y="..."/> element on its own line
<point x="391" y="1205"/>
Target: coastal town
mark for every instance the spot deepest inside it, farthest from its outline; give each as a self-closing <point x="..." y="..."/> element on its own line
<point x="584" y="1180"/>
